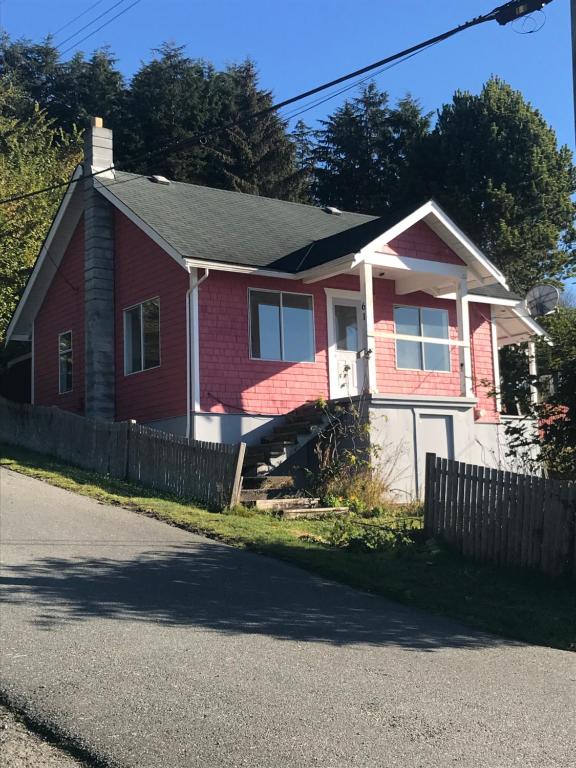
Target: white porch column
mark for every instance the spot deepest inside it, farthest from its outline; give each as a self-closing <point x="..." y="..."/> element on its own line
<point x="463" y="315"/>
<point x="496" y="361"/>
<point x="367" y="295"/>
<point x="533" y="371"/>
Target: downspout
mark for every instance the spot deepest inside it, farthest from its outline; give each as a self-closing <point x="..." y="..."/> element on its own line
<point x="192" y="328"/>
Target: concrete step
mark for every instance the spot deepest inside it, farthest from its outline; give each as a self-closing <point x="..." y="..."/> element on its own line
<point x="283" y="502"/>
<point x="316" y="513"/>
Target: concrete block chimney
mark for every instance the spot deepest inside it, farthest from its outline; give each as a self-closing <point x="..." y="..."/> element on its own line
<point x="98" y="276"/>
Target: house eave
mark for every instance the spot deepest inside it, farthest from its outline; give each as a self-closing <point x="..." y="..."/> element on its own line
<point x="20" y="325"/>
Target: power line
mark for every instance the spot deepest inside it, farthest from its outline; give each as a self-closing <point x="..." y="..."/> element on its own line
<point x="502" y="14"/>
<point x="68" y="23"/>
<point x="89" y="24"/>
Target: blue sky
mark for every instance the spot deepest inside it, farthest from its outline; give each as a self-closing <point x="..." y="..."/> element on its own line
<point x="301" y="43"/>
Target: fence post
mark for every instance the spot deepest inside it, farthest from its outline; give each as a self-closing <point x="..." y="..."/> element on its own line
<point x="237" y="484"/>
<point x="428" y="495"/>
<point x="127" y="433"/>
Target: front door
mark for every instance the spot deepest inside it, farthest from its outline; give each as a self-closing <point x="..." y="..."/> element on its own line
<point x="348" y="367"/>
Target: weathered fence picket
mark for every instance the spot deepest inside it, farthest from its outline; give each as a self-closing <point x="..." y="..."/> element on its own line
<point x="502" y="517"/>
<point x="209" y="473"/>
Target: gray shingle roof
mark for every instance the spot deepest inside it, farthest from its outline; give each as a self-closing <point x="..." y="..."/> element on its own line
<point x="496" y="291"/>
<point x="235" y="228"/>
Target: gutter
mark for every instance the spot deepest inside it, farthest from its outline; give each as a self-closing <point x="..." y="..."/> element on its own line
<point x="192" y="359"/>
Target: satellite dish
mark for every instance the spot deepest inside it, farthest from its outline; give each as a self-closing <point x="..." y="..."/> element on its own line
<point x="542" y="300"/>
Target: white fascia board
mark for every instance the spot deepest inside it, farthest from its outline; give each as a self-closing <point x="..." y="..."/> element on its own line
<point x="466" y="243"/>
<point x="481" y="299"/>
<point x="221" y="266"/>
<point x="522" y="314"/>
<point x="11" y="333"/>
<point x="411" y="264"/>
<point x="398" y="228"/>
<point x="330" y="269"/>
<point x="105" y="191"/>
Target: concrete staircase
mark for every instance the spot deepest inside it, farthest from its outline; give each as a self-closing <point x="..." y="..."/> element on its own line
<point x="276" y="493"/>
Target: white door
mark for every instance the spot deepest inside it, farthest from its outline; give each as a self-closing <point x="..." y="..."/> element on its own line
<point x="347" y="367"/>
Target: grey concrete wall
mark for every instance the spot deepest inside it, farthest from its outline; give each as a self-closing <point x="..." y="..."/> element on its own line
<point x="98" y="283"/>
<point x="233" y="427"/>
<point x="399" y="431"/>
<point x="175" y="425"/>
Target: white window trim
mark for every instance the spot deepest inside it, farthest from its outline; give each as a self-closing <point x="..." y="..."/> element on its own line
<point x="282" y="360"/>
<point x="423" y="339"/>
<point x="71" y="352"/>
<point x="125" y="350"/>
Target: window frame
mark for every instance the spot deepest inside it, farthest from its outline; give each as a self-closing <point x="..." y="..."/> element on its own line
<point x="125" y="328"/>
<point x="69" y="352"/>
<point x="282" y="359"/>
<point x="421" y="339"/>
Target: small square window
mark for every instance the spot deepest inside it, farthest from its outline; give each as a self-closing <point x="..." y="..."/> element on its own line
<point x="427" y="324"/>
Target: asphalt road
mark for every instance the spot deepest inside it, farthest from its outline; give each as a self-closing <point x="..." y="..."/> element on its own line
<point x="154" y="648"/>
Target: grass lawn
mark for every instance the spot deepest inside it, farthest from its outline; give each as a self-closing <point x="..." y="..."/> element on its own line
<point x="518" y="604"/>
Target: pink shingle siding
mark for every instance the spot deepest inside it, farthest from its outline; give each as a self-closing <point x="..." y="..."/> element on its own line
<point x="420" y="242"/>
<point x="62" y="310"/>
<point x="144" y="271"/>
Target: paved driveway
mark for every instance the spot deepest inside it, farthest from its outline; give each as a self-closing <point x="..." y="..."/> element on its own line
<point x="156" y="648"/>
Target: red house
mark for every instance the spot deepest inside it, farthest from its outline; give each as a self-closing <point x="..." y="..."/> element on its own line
<point x="213" y="314"/>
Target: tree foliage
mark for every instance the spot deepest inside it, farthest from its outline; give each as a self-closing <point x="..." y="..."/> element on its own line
<point x="494" y="162"/>
<point x="33" y="153"/>
<point x="364" y="151"/>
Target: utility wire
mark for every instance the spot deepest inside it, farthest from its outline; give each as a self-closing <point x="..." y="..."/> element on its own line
<point x="105" y="24"/>
<point x="68" y="23"/>
<point x="502" y="14"/>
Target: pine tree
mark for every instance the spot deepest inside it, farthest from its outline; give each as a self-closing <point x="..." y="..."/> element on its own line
<point x="364" y="150"/>
<point x="254" y="155"/>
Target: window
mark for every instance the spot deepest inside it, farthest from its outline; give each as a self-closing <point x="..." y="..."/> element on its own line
<point x="65" y="362"/>
<point x="281" y="326"/>
<point x="426" y="324"/>
<point x="142" y="336"/>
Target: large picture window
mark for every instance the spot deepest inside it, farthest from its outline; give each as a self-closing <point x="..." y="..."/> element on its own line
<point x="142" y="336"/>
<point x="65" y="362"/>
<point x="281" y="326"/>
<point x="421" y="354"/>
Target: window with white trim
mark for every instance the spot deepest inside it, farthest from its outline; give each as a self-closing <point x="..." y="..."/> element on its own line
<point x="142" y="336"/>
<point x="65" y="362"/>
<point x="421" y="354"/>
<point x="281" y="326"/>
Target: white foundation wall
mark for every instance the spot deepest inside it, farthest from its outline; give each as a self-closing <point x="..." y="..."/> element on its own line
<point x="404" y="432"/>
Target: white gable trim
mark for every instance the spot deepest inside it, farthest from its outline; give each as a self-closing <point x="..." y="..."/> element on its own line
<point x="446" y="229"/>
<point x="11" y="334"/>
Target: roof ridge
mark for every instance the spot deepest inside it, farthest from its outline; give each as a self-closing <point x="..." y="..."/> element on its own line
<point x="367" y="216"/>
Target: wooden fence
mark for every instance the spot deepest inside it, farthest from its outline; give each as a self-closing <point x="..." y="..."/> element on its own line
<point x="502" y="517"/>
<point x="209" y="473"/>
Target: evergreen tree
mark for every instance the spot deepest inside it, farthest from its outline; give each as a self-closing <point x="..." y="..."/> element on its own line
<point x="170" y="99"/>
<point x="364" y="151"/>
<point x="494" y="163"/>
<point x="304" y="158"/>
<point x="255" y="156"/>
